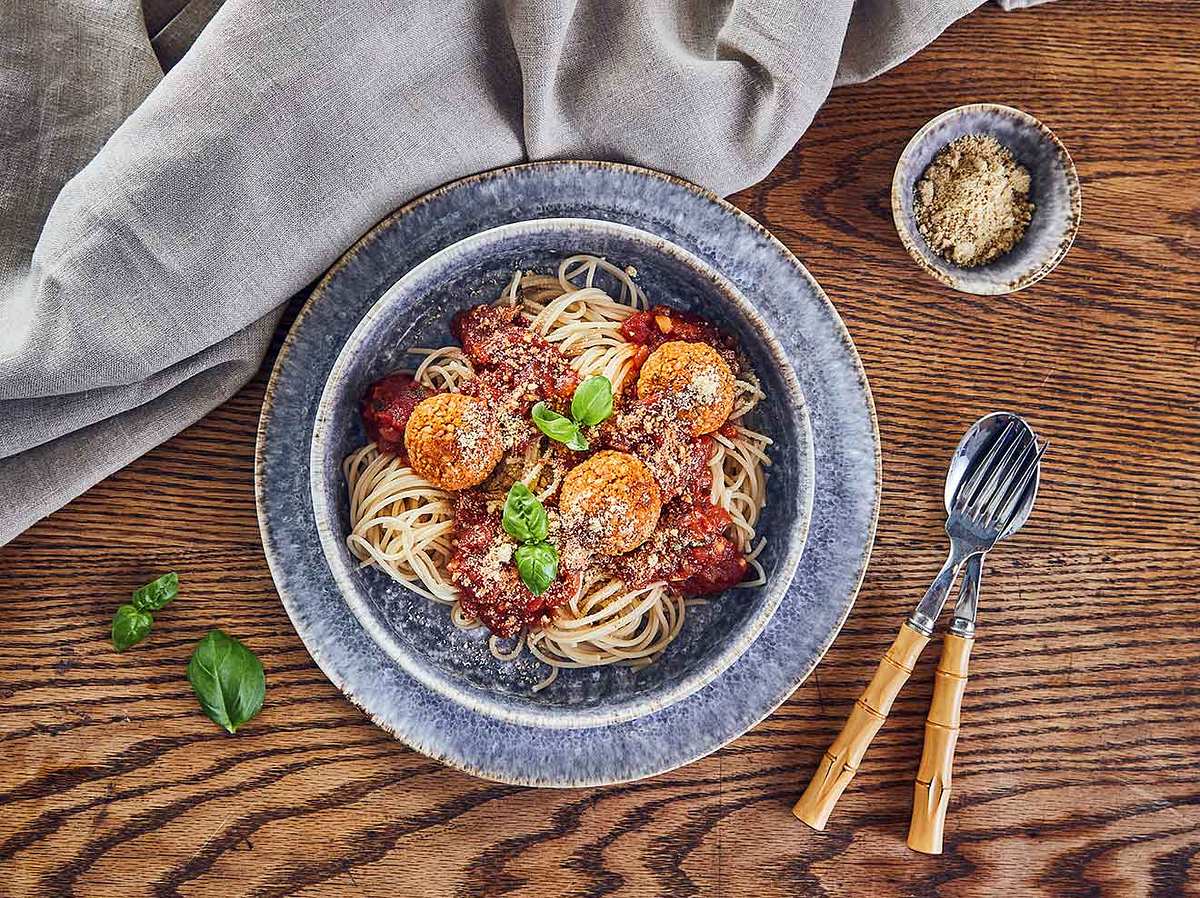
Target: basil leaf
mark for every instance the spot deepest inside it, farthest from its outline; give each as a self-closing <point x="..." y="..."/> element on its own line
<point x="129" y="627"/>
<point x="227" y="679"/>
<point x="524" y="517"/>
<point x="155" y="594"/>
<point x="552" y="424"/>
<point x="578" y="442"/>
<point x="593" y="400"/>
<point x="538" y="566"/>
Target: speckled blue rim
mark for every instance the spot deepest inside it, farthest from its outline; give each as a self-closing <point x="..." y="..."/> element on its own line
<point x="1054" y="190"/>
<point x="410" y="290"/>
<point x="845" y="442"/>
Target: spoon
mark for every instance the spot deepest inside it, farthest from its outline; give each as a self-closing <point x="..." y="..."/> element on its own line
<point x="931" y="797"/>
<point x="989" y="475"/>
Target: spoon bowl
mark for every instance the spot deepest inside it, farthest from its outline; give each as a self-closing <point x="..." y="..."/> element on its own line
<point x="975" y="444"/>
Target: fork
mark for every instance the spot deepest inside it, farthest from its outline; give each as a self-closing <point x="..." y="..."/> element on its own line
<point x="980" y="510"/>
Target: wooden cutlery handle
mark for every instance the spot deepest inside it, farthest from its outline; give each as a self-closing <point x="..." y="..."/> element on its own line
<point x="841" y="760"/>
<point x="931" y="795"/>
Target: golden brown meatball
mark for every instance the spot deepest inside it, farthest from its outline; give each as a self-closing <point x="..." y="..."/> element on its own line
<point x="452" y="441"/>
<point x="694" y="379"/>
<point x="610" y="503"/>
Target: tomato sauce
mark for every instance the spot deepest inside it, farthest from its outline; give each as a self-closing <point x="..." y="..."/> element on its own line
<point x="688" y="549"/>
<point x="716" y="566"/>
<point x="711" y="563"/>
<point x="662" y="324"/>
<point x="387" y="407"/>
<point x="512" y="360"/>
<point x="489" y="584"/>
<point x="729" y="430"/>
<point x="696" y="474"/>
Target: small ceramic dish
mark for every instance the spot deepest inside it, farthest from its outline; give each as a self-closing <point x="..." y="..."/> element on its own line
<point x="418" y="634"/>
<point x="1054" y="191"/>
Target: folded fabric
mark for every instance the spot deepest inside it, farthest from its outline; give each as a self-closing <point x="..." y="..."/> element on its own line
<point x="151" y="227"/>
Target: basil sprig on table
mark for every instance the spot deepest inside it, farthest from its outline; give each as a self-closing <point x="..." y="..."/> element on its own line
<point x="524" y="519"/>
<point x="225" y="675"/>
<point x="133" y="620"/>
<point x="228" y="680"/>
<point x="591" y="404"/>
<point x="129" y="627"/>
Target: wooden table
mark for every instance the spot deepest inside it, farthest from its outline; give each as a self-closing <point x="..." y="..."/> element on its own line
<point x="1078" y="772"/>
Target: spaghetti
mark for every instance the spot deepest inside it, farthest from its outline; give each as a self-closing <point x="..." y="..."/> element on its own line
<point x="405" y="525"/>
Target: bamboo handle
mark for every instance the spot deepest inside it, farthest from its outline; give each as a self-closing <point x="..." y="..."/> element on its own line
<point x="931" y="796"/>
<point x="841" y="760"/>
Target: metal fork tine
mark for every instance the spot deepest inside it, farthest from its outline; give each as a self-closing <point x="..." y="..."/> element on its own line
<point x="1014" y="462"/>
<point x="967" y="491"/>
<point x="1000" y="474"/>
<point x="1017" y="489"/>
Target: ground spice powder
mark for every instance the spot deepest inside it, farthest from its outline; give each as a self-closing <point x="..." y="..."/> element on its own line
<point x="972" y="202"/>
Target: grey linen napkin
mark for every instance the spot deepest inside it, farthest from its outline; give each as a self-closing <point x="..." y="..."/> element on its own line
<point x="152" y="227"/>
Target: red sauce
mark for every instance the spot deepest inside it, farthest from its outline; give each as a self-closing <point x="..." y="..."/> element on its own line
<point x="678" y="461"/>
<point x="697" y="475"/>
<point x="704" y="520"/>
<point x="718" y="565"/>
<point x="387" y="407"/>
<point x="712" y="563"/>
<point x="688" y="550"/>
<point x="662" y="324"/>
<point x="494" y="592"/>
<point x="512" y="360"/>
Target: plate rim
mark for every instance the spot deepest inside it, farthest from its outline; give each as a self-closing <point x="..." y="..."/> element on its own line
<point x="856" y="577"/>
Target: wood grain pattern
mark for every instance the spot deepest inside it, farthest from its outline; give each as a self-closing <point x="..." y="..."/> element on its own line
<point x="1077" y="769"/>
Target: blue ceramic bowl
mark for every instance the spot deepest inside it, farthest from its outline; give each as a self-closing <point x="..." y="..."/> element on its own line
<point x="1054" y="192"/>
<point x="417" y="633"/>
<point x="841" y="528"/>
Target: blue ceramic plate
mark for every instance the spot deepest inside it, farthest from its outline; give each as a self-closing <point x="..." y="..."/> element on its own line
<point x="418" y="634"/>
<point x="845" y="465"/>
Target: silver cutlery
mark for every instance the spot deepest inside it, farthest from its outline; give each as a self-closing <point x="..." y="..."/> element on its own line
<point x="989" y="493"/>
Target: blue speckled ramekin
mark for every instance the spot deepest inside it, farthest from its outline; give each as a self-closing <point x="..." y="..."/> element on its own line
<point x="1054" y="191"/>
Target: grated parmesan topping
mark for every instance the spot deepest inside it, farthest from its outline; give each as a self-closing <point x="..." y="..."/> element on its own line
<point x="705" y="386"/>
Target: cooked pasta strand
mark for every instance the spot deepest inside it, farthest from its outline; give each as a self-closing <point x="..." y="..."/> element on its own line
<point x="404" y="525"/>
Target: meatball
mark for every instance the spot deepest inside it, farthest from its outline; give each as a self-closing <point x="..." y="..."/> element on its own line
<point x="694" y="379"/>
<point x="610" y="503"/>
<point x="452" y="441"/>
